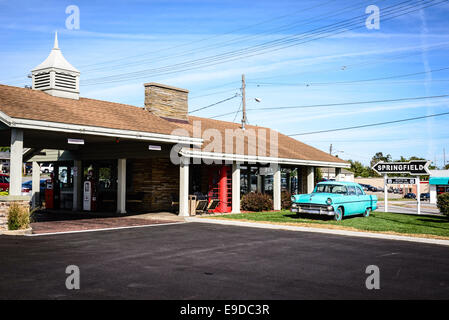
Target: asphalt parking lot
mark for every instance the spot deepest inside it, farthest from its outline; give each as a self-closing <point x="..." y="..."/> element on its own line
<point x="206" y="261"/>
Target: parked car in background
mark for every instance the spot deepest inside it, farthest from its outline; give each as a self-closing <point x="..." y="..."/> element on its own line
<point x="425" y="196"/>
<point x="410" y="195"/>
<point x="4" y="182"/>
<point x="335" y="198"/>
<point x="364" y="186"/>
<point x="47" y="168"/>
<point x="28" y="186"/>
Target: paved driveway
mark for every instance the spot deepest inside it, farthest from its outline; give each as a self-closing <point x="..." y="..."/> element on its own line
<point x="205" y="261"/>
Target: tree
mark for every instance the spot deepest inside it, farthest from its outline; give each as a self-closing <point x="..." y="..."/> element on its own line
<point x="359" y="169"/>
<point x="446" y="167"/>
<point x="379" y="156"/>
<point x="3" y="149"/>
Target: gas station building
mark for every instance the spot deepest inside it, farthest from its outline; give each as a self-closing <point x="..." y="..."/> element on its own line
<point x="120" y="158"/>
<point x="438" y="183"/>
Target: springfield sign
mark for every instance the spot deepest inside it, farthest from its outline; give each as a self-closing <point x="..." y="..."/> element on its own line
<point x="414" y="167"/>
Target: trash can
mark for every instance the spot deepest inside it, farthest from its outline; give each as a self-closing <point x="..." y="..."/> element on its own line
<point x="192" y="205"/>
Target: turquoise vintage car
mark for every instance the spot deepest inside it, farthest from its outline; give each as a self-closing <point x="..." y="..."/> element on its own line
<point x="335" y="198"/>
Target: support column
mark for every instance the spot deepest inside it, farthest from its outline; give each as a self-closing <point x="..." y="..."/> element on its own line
<point x="35" y="185"/>
<point x="236" y="187"/>
<point x="337" y="174"/>
<point x="259" y="182"/>
<point x="121" y="186"/>
<point x="77" y="189"/>
<point x="288" y="175"/>
<point x="277" y="188"/>
<point x="310" y="179"/>
<point x="184" y="187"/>
<point x="16" y="160"/>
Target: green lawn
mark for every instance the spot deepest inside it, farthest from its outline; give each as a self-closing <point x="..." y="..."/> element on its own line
<point x="377" y="221"/>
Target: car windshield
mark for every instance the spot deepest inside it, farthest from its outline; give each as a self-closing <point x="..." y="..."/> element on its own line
<point x="6" y="179"/>
<point x="330" y="188"/>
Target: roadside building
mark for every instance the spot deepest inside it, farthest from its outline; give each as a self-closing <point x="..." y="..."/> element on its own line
<point x="125" y="158"/>
<point x="343" y="174"/>
<point x="439" y="183"/>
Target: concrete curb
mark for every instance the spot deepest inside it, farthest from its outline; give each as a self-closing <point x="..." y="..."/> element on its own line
<point x="320" y="230"/>
<point x="20" y="232"/>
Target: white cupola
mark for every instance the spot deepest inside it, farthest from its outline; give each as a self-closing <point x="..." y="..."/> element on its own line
<point x="56" y="76"/>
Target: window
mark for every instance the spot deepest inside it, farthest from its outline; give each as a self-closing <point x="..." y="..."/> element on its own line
<point x="2" y="180"/>
<point x="351" y="190"/>
<point x="330" y="188"/>
<point x="359" y="191"/>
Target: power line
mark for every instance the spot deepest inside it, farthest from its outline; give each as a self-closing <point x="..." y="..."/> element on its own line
<point x="352" y="103"/>
<point x="214" y="46"/>
<point x="351" y="81"/>
<point x="212" y="94"/>
<point x="212" y="57"/>
<point x="214" y="36"/>
<point x="235" y="117"/>
<point x="389" y="13"/>
<point x="369" y="62"/>
<point x="245" y="38"/>
<point x="338" y="104"/>
<point x="214" y="104"/>
<point x="371" y="124"/>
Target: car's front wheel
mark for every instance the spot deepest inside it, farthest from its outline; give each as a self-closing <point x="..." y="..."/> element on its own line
<point x="338" y="214"/>
<point x="367" y="212"/>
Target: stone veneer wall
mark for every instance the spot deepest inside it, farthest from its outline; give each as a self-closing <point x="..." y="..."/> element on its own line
<point x="158" y="179"/>
<point x="5" y="203"/>
<point x="166" y="101"/>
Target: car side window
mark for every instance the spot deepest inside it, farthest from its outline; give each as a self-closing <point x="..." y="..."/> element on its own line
<point x="351" y="190"/>
<point x="2" y="180"/>
<point x="359" y="191"/>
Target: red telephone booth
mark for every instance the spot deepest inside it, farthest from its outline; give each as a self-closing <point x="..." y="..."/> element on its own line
<point x="220" y="187"/>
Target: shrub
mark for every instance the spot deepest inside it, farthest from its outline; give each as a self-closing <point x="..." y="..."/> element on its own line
<point x="443" y="203"/>
<point x="18" y="217"/>
<point x="3" y="193"/>
<point x="286" y="200"/>
<point x="256" y="202"/>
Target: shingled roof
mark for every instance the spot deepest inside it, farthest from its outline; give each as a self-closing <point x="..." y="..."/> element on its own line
<point x="288" y="147"/>
<point x="37" y="105"/>
<point x="22" y="103"/>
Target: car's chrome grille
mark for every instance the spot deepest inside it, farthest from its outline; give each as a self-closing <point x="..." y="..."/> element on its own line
<point x="312" y="206"/>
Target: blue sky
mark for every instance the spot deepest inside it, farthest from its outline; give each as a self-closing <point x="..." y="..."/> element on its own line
<point x="120" y="37"/>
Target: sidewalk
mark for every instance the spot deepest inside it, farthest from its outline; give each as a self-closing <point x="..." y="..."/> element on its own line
<point x="318" y="230"/>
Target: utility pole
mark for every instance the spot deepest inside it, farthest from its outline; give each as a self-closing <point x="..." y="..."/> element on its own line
<point x="243" y="102"/>
<point x="444" y="158"/>
<point x="328" y="169"/>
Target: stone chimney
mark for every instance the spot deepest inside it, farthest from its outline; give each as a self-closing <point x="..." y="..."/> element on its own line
<point x="166" y="101"/>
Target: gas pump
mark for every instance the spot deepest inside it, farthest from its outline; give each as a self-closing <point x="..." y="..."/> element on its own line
<point x="89" y="193"/>
<point x="49" y="193"/>
<point x="87" y="196"/>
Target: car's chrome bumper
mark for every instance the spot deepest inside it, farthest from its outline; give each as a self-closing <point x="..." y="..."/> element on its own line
<point x="323" y="210"/>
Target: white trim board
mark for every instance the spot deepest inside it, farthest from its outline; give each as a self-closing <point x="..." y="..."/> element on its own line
<point x="92" y="130"/>
<point x="258" y="159"/>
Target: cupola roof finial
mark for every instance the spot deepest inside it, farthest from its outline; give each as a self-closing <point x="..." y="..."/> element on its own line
<point x="56" y="45"/>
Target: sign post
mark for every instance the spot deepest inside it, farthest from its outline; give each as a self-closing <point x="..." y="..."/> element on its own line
<point x="413" y="167"/>
<point x="418" y="193"/>
<point x="386" y="192"/>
